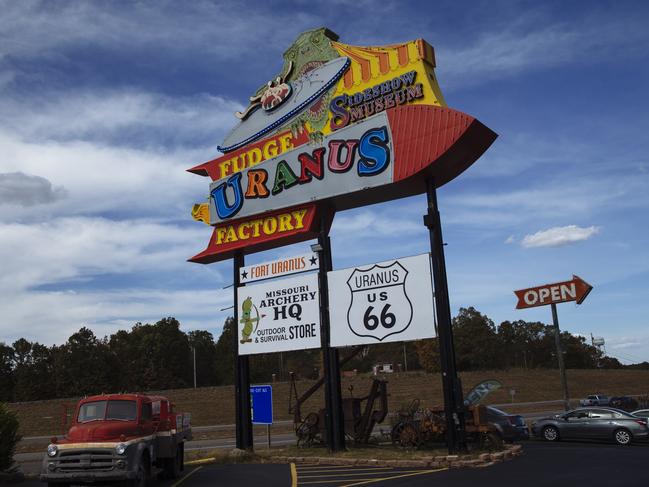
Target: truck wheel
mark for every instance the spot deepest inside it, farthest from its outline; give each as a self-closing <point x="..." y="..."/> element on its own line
<point x="142" y="478"/>
<point x="174" y="466"/>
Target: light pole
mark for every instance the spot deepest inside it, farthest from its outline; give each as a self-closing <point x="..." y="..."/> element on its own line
<point x="194" y="350"/>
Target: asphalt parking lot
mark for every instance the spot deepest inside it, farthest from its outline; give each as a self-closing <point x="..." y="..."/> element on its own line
<point x="543" y="464"/>
<point x="332" y="475"/>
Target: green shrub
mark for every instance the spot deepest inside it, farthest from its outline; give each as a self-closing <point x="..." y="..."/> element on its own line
<point x="9" y="437"/>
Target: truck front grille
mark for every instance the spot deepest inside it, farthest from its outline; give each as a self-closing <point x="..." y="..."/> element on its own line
<point x="84" y="460"/>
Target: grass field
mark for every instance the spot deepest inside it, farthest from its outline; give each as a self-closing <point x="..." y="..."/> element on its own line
<point x="215" y="405"/>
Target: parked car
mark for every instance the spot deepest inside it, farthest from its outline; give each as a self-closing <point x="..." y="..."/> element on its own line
<point x="625" y="403"/>
<point x="641" y="413"/>
<point x="594" y="400"/>
<point x="593" y="423"/>
<point x="510" y="427"/>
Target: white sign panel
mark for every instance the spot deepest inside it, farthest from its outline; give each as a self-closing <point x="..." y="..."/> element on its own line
<point x="279" y="267"/>
<point x="279" y="315"/>
<point x="390" y="301"/>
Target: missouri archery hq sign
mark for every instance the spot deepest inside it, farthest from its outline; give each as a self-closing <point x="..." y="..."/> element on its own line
<point x="339" y="127"/>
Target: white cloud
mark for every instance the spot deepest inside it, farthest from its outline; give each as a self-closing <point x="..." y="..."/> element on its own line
<point x="69" y="253"/>
<point x="118" y="117"/>
<point x="101" y="147"/>
<point x="628" y="349"/>
<point x="372" y="223"/>
<point x="557" y="236"/>
<point x="116" y="222"/>
<point x="22" y="189"/>
<point x="81" y="248"/>
<point x="51" y="317"/>
<point x="510" y="240"/>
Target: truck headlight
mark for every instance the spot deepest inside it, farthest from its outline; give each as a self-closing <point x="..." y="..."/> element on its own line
<point x="52" y="450"/>
<point x="120" y="449"/>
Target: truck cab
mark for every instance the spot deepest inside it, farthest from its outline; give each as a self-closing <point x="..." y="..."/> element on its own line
<point x="118" y="437"/>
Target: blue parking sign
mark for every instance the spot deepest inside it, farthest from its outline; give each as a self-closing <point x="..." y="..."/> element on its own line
<point x="261" y="404"/>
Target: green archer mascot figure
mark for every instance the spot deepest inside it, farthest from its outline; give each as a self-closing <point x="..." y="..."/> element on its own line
<point x="247" y="321"/>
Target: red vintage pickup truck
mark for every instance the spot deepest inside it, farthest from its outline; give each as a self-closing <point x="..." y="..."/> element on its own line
<point x="119" y="437"/>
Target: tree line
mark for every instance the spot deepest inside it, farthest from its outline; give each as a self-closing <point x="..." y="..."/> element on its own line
<point x="161" y="356"/>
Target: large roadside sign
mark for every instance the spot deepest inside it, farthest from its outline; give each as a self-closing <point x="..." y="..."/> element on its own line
<point x="279" y="315"/>
<point x="339" y="127"/>
<point x="389" y="301"/>
<point x="560" y="292"/>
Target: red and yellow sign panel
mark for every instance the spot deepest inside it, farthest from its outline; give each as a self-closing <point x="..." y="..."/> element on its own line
<point x="255" y="234"/>
<point x="250" y="155"/>
<point x="315" y="107"/>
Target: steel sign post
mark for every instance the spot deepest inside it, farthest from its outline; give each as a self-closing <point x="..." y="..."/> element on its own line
<point x="560" y="292"/>
<point x="241" y="373"/>
<point x="453" y="397"/>
<point x="333" y="399"/>
<point x="560" y="361"/>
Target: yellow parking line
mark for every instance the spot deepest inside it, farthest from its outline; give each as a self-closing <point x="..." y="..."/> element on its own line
<point x="186" y="476"/>
<point x="345" y="469"/>
<point x="411" y="474"/>
<point x="332" y="481"/>
<point x="200" y="461"/>
<point x="346" y="472"/>
<point x="293" y="476"/>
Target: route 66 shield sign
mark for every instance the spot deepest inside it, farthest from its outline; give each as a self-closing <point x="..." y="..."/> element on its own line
<point x="380" y="306"/>
<point x="384" y="302"/>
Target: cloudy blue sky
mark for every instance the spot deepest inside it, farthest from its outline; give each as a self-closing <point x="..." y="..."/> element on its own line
<point x="103" y="105"/>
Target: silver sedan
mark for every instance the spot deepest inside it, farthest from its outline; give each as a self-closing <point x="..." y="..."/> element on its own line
<point x="593" y="423"/>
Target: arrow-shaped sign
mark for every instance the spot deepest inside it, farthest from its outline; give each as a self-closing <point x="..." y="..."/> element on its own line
<point x="561" y="292"/>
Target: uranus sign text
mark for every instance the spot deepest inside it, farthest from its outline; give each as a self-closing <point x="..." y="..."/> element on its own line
<point x="358" y="157"/>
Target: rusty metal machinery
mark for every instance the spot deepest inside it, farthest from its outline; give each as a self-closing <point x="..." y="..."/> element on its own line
<point x="415" y="427"/>
<point x="359" y="419"/>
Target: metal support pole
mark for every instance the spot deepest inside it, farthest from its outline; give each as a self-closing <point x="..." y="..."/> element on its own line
<point x="562" y="365"/>
<point x="333" y="398"/>
<point x="241" y="372"/>
<point x="194" y="349"/>
<point x="405" y="358"/>
<point x="453" y="397"/>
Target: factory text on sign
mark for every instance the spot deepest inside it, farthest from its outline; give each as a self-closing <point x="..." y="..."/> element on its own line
<point x="574" y="290"/>
<point x="260" y="233"/>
